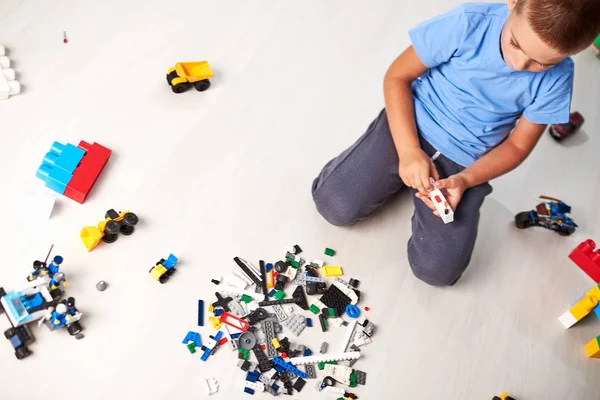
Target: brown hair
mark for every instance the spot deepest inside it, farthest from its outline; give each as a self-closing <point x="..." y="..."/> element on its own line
<point x="566" y="25"/>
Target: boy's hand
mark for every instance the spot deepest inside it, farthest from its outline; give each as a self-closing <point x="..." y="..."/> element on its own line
<point x="453" y="188"/>
<point x="415" y="168"/>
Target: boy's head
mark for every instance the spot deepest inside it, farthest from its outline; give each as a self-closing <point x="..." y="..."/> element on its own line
<point x="541" y="33"/>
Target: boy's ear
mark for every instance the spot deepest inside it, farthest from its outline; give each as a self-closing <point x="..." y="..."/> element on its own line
<point x="512" y="4"/>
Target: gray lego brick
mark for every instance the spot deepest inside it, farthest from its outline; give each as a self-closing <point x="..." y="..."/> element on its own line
<point x="311" y="373"/>
<point x="267" y="328"/>
<point x="361" y="377"/>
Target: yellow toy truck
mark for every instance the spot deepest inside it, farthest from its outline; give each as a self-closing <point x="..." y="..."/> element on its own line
<point x="108" y="230"/>
<point x="164" y="268"/>
<point x="185" y="74"/>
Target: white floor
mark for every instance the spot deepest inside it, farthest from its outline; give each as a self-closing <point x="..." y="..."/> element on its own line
<point x="228" y="172"/>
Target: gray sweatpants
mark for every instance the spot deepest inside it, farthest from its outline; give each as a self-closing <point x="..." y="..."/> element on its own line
<point x="354" y="184"/>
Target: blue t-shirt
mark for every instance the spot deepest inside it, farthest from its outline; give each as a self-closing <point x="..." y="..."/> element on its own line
<point x="470" y="100"/>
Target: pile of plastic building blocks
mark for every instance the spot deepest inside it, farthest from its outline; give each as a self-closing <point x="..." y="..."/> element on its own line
<point x="39" y="300"/>
<point x="254" y="316"/>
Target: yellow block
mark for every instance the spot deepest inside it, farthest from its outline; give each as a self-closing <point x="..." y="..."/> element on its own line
<point x="586" y="304"/>
<point x="211" y="308"/>
<point x="593" y="348"/>
<point x="215" y="322"/>
<point x="270" y="280"/>
<point x="332" y="270"/>
<point x="275" y="343"/>
<point x="91" y="236"/>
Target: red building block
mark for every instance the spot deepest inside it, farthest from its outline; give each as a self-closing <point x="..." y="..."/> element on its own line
<point x="587" y="259"/>
<point x="87" y="171"/>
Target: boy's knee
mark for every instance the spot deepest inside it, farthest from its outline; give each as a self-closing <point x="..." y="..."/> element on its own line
<point x="436" y="271"/>
<point x="335" y="206"/>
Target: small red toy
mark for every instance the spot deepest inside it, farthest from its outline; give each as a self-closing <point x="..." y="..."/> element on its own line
<point x="587" y="259"/>
<point x="562" y="131"/>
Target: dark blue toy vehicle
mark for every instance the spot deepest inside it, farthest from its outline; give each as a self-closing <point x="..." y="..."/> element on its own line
<point x="550" y="214"/>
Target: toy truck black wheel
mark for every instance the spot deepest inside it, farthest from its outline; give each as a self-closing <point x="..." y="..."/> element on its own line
<point x="10" y="332"/>
<point x="129" y="221"/>
<point x="202" y="85"/>
<point x="109" y="237"/>
<point x="523" y="220"/>
<point x="2" y="294"/>
<point x="22" y="352"/>
<point x="112" y="227"/>
<point x="163" y="278"/>
<point x="74" y="328"/>
<point x="180" y="87"/>
<point x="171" y="271"/>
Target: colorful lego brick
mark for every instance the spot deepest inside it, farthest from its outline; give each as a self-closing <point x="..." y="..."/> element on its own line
<point x="56" y="179"/>
<point x="279" y="295"/>
<point x="314" y="309"/>
<point x="309" y="322"/>
<point x="192" y="337"/>
<point x="587" y="257"/>
<point x="332" y="270"/>
<point x="234" y="321"/>
<point x="246" y="299"/>
<point x="200" y="312"/>
<point x="191" y="347"/>
<point x="329" y="252"/>
<point x="593" y="348"/>
<point x="87" y="172"/>
<point x="352" y="311"/>
<point x="69" y="156"/>
<point x="582" y="308"/>
<point x="289" y="367"/>
<point x="248" y="390"/>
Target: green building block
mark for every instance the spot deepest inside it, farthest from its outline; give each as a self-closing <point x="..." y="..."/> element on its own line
<point x="314" y="309"/>
<point x="597" y="43"/>
<point x="191" y="347"/>
<point x="246" y="299"/>
<point x="294" y="263"/>
<point x="321" y="365"/>
<point x="329" y="252"/>
<point x="243" y="354"/>
<point x="279" y="295"/>
<point x="353" y="379"/>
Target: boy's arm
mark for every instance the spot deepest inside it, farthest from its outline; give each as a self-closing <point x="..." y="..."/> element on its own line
<point x="415" y="167"/>
<point x="503" y="158"/>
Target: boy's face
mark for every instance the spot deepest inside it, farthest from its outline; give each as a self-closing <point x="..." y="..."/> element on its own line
<point x="522" y="49"/>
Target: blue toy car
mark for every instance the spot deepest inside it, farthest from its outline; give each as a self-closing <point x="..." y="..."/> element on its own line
<point x="550" y="214"/>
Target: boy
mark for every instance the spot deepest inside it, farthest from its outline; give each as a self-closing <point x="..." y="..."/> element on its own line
<point x="466" y="103"/>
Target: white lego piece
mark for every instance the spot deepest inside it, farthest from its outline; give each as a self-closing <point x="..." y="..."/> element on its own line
<point x="234" y="290"/>
<point x="348" y="335"/>
<point x="441" y="204"/>
<point x="352" y="355"/>
<point x="211" y="385"/>
<point x="334" y="389"/>
<point x="39" y="206"/>
<point x="9" y="86"/>
<point x="265" y="380"/>
<point x="233" y="279"/>
<point x="270" y="373"/>
<point x="567" y="319"/>
<point x="320" y="263"/>
<point x="258" y="386"/>
<point x="338" y="372"/>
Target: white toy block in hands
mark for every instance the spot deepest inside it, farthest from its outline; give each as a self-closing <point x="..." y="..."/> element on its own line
<point x="441" y="204"/>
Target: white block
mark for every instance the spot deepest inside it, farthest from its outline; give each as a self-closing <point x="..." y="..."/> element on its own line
<point x="352" y="355"/>
<point x="441" y="204"/>
<point x="567" y="319"/>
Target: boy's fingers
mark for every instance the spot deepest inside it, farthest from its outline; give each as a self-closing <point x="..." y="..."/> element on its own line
<point x="426" y="200"/>
<point x="424" y="179"/>
<point x="434" y="173"/>
<point x="442" y="183"/>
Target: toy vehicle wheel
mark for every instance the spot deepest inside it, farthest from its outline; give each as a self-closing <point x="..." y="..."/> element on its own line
<point x="22" y="352"/>
<point x="10" y="332"/>
<point x="523" y="220"/>
<point x="74" y="328"/>
<point x="127" y="230"/>
<point x="130" y="219"/>
<point x="171" y="271"/>
<point x="202" y="85"/>
<point x="56" y="294"/>
<point x="25" y="336"/>
<point x="171" y="76"/>
<point x="163" y="278"/>
<point x="109" y="237"/>
<point x="180" y="87"/>
<point x="112" y="227"/>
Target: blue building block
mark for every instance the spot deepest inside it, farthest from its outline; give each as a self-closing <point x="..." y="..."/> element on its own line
<point x="200" y="312"/>
<point x="170" y="262"/>
<point x="268" y="267"/>
<point x="275" y="387"/>
<point x="248" y="390"/>
<point x="307" y="352"/>
<point x="64" y="157"/>
<point x="218" y="312"/>
<point x="272" y="292"/>
<point x="192" y="337"/>
<point x="252" y="376"/>
<point x="55" y="178"/>
<point x="352" y="311"/>
<point x="309" y="322"/>
<point x="597" y="311"/>
<point x="236" y="335"/>
<point x="289" y="367"/>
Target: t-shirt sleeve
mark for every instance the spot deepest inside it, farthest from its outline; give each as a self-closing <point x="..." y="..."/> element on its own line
<point x="552" y="104"/>
<point x="438" y="39"/>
